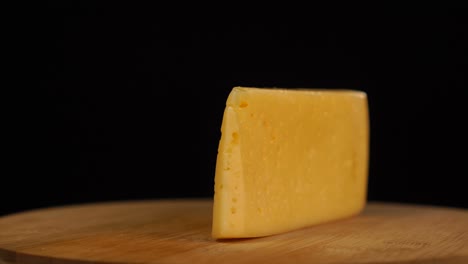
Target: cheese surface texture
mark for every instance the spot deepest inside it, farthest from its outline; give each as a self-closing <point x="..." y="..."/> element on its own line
<point x="288" y="159"/>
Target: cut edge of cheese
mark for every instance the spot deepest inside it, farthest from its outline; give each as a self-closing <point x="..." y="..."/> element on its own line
<point x="230" y="185"/>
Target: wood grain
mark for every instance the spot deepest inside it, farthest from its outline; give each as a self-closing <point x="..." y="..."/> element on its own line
<point x="178" y="231"/>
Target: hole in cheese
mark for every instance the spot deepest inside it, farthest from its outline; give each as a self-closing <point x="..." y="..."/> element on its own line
<point x="235" y="138"/>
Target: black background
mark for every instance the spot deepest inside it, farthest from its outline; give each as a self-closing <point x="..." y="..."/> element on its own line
<point x="128" y="104"/>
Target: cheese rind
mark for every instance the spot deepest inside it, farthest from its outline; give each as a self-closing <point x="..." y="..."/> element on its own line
<point x="289" y="158"/>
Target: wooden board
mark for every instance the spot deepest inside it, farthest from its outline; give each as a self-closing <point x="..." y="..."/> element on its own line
<point x="178" y="231"/>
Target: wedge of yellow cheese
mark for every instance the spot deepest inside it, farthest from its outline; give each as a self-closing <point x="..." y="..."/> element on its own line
<point x="289" y="158"/>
